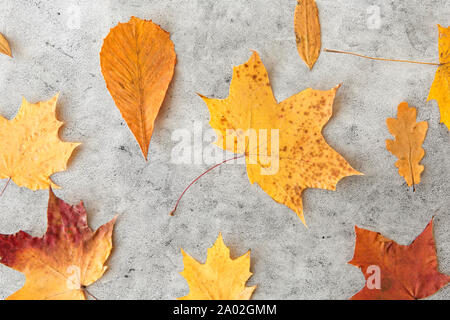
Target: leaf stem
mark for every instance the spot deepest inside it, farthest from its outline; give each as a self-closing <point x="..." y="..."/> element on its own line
<point x="4" y="188"/>
<point x="381" y="59"/>
<point x="172" y="213"/>
<point x="88" y="293"/>
<point x="410" y="167"/>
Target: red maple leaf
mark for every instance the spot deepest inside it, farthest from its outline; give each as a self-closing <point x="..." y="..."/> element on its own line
<point x="65" y="261"/>
<point x="405" y="272"/>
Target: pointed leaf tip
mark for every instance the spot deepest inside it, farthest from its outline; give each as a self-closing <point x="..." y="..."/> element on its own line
<point x="4" y="46"/>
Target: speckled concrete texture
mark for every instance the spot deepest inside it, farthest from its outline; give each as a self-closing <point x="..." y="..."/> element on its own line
<point x="57" y="52"/>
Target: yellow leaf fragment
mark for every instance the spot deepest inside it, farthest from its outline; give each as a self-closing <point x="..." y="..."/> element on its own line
<point x="440" y="89"/>
<point x="291" y="154"/>
<point x="4" y="46"/>
<point x="30" y="147"/>
<point x="138" y="62"/>
<point x="307" y="31"/>
<point x="407" y="146"/>
<point x="220" y="278"/>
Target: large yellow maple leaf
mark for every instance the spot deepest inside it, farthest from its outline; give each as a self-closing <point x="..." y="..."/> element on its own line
<point x="440" y="89"/>
<point x="305" y="160"/>
<point x="30" y="147"/>
<point x="220" y="278"/>
<point x="67" y="259"/>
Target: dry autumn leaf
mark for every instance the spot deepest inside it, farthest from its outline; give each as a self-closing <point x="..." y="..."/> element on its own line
<point x="397" y="272"/>
<point x="305" y="159"/>
<point x="307" y="31"/>
<point x="30" y="147"/>
<point x="407" y="146"/>
<point x="220" y="278"/>
<point x="138" y="62"/>
<point x="67" y="259"/>
<point x="440" y="89"/>
<point x="4" y="46"/>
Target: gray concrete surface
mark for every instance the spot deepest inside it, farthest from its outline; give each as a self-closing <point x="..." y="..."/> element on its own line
<point x="109" y="173"/>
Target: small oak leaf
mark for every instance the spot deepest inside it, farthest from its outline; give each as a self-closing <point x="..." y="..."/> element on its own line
<point x="407" y="146"/>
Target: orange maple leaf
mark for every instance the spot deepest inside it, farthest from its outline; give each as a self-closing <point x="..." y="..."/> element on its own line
<point x="67" y="259"/>
<point x="405" y="272"/>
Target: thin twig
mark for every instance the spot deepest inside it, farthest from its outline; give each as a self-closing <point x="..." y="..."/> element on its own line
<point x="381" y="59"/>
<point x="4" y="188"/>
<point x="172" y="213"/>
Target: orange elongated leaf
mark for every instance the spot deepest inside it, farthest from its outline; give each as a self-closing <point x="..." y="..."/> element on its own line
<point x="30" y="147"/>
<point x="289" y="154"/>
<point x="62" y="263"/>
<point x="4" y="46"/>
<point x="138" y="62"/>
<point x="407" y="146"/>
<point x="220" y="278"/>
<point x="397" y="272"/>
<point x="440" y="89"/>
<point x="307" y="31"/>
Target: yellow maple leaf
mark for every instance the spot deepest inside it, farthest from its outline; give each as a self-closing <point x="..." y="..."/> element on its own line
<point x="440" y="89"/>
<point x="220" y="278"/>
<point x="407" y="146"/>
<point x="65" y="261"/>
<point x="302" y="156"/>
<point x="30" y="147"/>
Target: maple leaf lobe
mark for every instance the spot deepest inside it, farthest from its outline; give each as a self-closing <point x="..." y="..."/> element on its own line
<point x="440" y="89"/>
